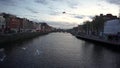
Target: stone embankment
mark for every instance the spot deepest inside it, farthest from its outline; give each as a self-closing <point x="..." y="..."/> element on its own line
<point x="98" y="39"/>
<point x="12" y="38"/>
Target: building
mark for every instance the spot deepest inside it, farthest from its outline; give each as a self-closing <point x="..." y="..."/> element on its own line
<point x="2" y="24"/>
<point x="15" y="24"/>
<point x="28" y="26"/>
<point x="45" y="27"/>
<point x="37" y="27"/>
<point x="25" y="25"/>
<point x="9" y="24"/>
<point x="109" y="17"/>
<point x="112" y="28"/>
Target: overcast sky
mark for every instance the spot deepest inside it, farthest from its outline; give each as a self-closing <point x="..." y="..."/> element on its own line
<point x="59" y="13"/>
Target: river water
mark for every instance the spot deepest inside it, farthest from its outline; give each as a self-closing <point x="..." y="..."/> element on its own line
<point x="58" y="50"/>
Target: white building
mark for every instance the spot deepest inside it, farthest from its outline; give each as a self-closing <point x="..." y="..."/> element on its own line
<point x="112" y="27"/>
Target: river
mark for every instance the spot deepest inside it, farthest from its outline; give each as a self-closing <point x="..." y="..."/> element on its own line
<point x="58" y="50"/>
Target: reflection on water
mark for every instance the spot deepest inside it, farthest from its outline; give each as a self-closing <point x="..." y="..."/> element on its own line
<point x="2" y="54"/>
<point x="58" y="50"/>
<point x="23" y="48"/>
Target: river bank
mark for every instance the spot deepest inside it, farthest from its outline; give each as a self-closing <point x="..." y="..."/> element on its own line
<point x="19" y="37"/>
<point x="100" y="40"/>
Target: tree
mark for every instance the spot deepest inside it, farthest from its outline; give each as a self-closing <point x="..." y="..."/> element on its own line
<point x="87" y="26"/>
<point x="98" y="24"/>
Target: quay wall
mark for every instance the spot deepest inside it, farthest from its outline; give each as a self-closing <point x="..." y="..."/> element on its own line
<point x="97" y="40"/>
<point x="100" y="41"/>
<point x="19" y="37"/>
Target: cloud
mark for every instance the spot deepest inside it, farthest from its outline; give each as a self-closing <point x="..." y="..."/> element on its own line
<point x="31" y="10"/>
<point x="54" y="13"/>
<point x="41" y="1"/>
<point x="72" y="4"/>
<point x="79" y="17"/>
<point x="64" y="25"/>
<point x="91" y="17"/>
<point x="117" y="2"/>
<point x="69" y="3"/>
<point x="8" y="2"/>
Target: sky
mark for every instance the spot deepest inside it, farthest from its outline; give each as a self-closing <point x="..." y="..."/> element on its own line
<point x="60" y="13"/>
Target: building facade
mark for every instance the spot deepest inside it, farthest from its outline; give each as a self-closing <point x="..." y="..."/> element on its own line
<point x="112" y="29"/>
<point x="13" y="24"/>
<point x="2" y="24"/>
